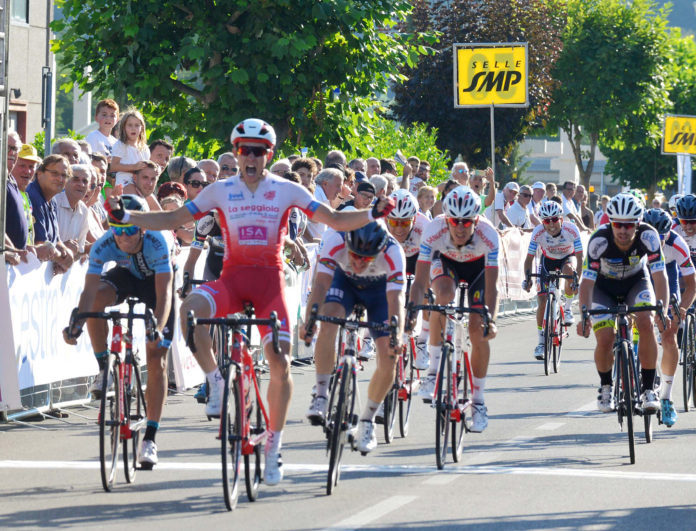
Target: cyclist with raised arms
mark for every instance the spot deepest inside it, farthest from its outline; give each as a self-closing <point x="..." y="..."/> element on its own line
<point x="461" y="246"/>
<point x="561" y="248"/>
<point x="677" y="263"/>
<point x="253" y="207"/>
<point x="615" y="268"/>
<point x="406" y="224"/>
<point x="143" y="270"/>
<point x="363" y="266"/>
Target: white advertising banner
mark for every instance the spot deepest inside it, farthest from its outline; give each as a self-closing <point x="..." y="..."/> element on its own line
<point x="684" y="173"/>
<point x="9" y="383"/>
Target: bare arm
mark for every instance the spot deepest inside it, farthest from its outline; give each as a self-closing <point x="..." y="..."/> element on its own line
<point x="163" y="290"/>
<point x="344" y="220"/>
<point x="503" y="218"/>
<point x="420" y="282"/>
<point x="162" y="220"/>
<point x="689" y="294"/>
<point x="490" y="198"/>
<point x="117" y="165"/>
<point x="395" y="305"/>
<point x="322" y="283"/>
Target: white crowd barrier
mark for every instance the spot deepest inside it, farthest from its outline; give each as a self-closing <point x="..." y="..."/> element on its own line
<point x="35" y="306"/>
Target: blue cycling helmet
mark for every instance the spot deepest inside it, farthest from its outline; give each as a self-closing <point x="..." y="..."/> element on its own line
<point x="686" y="207"/>
<point x="368" y="240"/>
<point x="659" y="219"/>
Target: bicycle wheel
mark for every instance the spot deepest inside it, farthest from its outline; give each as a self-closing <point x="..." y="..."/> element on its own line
<point x="135" y="416"/>
<point x="460" y="397"/>
<point x="627" y="393"/>
<point x="390" y="404"/>
<point x="688" y="346"/>
<point x="109" y="426"/>
<point x="339" y="423"/>
<point x="257" y="426"/>
<point x="442" y="408"/>
<point x="406" y="391"/>
<point x="231" y="437"/>
<point x="558" y="343"/>
<point x="548" y="333"/>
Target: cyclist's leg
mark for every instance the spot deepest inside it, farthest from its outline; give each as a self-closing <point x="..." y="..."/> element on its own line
<point x="444" y="283"/>
<point x="569" y="267"/>
<point x="107" y="295"/>
<point x="641" y="293"/>
<point x="603" y="327"/>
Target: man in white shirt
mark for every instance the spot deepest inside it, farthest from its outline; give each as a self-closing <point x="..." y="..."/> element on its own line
<point x="329" y="183"/>
<point x="503" y="201"/>
<point x="72" y="213"/>
<point x="517" y="213"/>
<point x="538" y="193"/>
<point x="570" y="211"/>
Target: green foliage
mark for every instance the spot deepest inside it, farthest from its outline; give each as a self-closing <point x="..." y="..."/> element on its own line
<point x="197" y="68"/>
<point x="40" y="139"/>
<point x="428" y="94"/>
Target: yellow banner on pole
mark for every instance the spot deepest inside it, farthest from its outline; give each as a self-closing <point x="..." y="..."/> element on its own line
<point x="491" y="74"/>
<point x="679" y="135"/>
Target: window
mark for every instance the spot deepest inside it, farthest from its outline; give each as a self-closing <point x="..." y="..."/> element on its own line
<point x="20" y="11"/>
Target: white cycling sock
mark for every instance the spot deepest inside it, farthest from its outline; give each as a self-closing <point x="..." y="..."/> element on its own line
<point x="479" y="386"/>
<point x="666" y="387"/>
<point x="214" y="377"/>
<point x="322" y="386"/>
<point x="425" y="332"/>
<point x="541" y="336"/>
<point x="370" y="411"/>
<point x="274" y="441"/>
<point x="435" y="352"/>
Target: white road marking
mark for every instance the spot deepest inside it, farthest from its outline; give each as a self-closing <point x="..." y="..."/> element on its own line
<point x="550" y="426"/>
<point x="375" y="512"/>
<point x="384" y="469"/>
<point x="583" y="410"/>
<point x="440" y="479"/>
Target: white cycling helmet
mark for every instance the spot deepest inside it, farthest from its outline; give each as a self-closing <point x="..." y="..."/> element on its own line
<point x="673" y="202"/>
<point x="625" y="207"/>
<point x="253" y="129"/>
<point x="550" y="209"/>
<point x="462" y="202"/>
<point x="406" y="205"/>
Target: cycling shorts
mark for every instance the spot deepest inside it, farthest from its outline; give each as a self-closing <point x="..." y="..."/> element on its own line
<point x="263" y="287"/>
<point x="411" y="264"/>
<point x="549" y="264"/>
<point x="635" y="291"/>
<point x="473" y="273"/>
<point x="372" y="296"/>
<point x="128" y="285"/>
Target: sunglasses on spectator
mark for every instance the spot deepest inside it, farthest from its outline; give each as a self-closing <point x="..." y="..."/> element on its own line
<point x="525" y="194"/>
<point x="553" y="219"/>
<point x="394" y="223"/>
<point x="687" y="221"/>
<point x="197" y="184"/>
<point x="464" y="222"/>
<point x="229" y="168"/>
<point x="360" y="257"/>
<point x="258" y="151"/>
<point x="128" y="231"/>
<point x="624" y="224"/>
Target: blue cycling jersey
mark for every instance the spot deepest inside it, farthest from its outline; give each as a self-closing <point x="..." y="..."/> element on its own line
<point x="154" y="256"/>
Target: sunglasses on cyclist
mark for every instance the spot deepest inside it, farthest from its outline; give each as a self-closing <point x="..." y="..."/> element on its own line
<point x="687" y="221"/>
<point x="360" y="257"/>
<point x="394" y="223"/>
<point x="258" y="151"/>
<point x="624" y="224"/>
<point x="464" y="222"/>
<point x="128" y="231"/>
<point x="197" y="184"/>
<point x="553" y="219"/>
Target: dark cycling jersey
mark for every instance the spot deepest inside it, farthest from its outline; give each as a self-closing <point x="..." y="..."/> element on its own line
<point x="207" y="228"/>
<point x="154" y="256"/>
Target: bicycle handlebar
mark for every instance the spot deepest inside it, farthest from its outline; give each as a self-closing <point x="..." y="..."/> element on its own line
<point x="233" y="322"/>
<point x="623" y="309"/>
<point x="555" y="275"/>
<point x="188" y="282"/>
<point x="114" y="315"/>
<point x="452" y="310"/>
<point x="392" y="327"/>
<point x="675" y="307"/>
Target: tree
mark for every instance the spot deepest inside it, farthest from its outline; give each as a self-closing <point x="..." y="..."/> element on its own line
<point x="427" y="96"/>
<point x="196" y="68"/>
<point x="612" y="76"/>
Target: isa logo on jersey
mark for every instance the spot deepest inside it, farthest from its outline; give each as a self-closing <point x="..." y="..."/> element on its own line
<point x="253" y="235"/>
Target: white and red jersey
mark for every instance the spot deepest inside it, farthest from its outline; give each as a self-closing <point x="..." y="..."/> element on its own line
<point x="565" y="243"/>
<point x="690" y="241"/>
<point x="390" y="263"/>
<point x="483" y="244"/>
<point x="253" y="224"/>
<point x="412" y="244"/>
<point x="677" y="250"/>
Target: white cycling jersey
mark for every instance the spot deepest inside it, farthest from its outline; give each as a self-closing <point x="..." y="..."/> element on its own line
<point x="690" y="240"/>
<point x="483" y="244"/>
<point x="412" y="244"/>
<point x="565" y="243"/>
<point x="390" y="264"/>
<point x="676" y="250"/>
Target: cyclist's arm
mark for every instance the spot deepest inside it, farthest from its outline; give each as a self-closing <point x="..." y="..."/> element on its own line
<point x="89" y="293"/>
<point x="395" y="305"/>
<point x="491" y="286"/>
<point x="190" y="266"/>
<point x="420" y="282"/>
<point x="322" y="283"/>
<point x="528" y="261"/>
<point x="689" y="295"/>
<point x="659" y="278"/>
<point x="163" y="290"/>
<point x="579" y="257"/>
<point x="343" y="220"/>
<point x="585" y="294"/>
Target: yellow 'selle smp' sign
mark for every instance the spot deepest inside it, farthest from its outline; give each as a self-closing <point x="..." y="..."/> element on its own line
<point x="490" y="74"/>
<point x="679" y="136"/>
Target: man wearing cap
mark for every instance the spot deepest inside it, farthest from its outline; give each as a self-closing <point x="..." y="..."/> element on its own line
<point x="538" y="193"/>
<point x="503" y="201"/>
<point x="23" y="172"/>
<point x="517" y="213"/>
<point x="364" y="195"/>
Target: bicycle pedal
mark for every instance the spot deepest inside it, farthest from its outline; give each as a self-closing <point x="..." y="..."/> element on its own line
<point x="146" y="466"/>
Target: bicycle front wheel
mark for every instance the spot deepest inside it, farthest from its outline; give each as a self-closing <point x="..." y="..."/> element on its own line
<point x="442" y="408"/>
<point x="460" y="398"/>
<point x="135" y="415"/>
<point x="627" y="392"/>
<point x="558" y="340"/>
<point x="257" y="426"/>
<point x="688" y="348"/>
<point x="339" y="423"/>
<point x="109" y="426"/>
<point x="390" y="405"/>
<point x="406" y="391"/>
<point x="231" y="437"/>
<point x="548" y="333"/>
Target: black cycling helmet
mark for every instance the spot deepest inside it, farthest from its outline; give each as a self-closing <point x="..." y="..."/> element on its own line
<point x="686" y="207"/>
<point x="130" y="202"/>
<point x="659" y="219"/>
<point x="368" y="240"/>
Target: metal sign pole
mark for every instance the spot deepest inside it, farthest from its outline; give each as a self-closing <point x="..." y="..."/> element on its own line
<point x="493" y="140"/>
<point x="5" y="93"/>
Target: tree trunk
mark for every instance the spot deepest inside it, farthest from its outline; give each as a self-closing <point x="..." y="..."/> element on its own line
<point x="575" y="137"/>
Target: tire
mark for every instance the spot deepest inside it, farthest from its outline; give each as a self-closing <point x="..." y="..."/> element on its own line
<point x="339" y="424"/>
<point x="627" y="393"/>
<point x="688" y="347"/>
<point x="406" y="391"/>
<point x="460" y="394"/>
<point x="442" y="408"/>
<point x="558" y="344"/>
<point x="109" y="428"/>
<point x="231" y="437"/>
<point x="548" y="334"/>
<point x="135" y="417"/>
<point x="390" y="406"/>
<point x="257" y="426"/>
